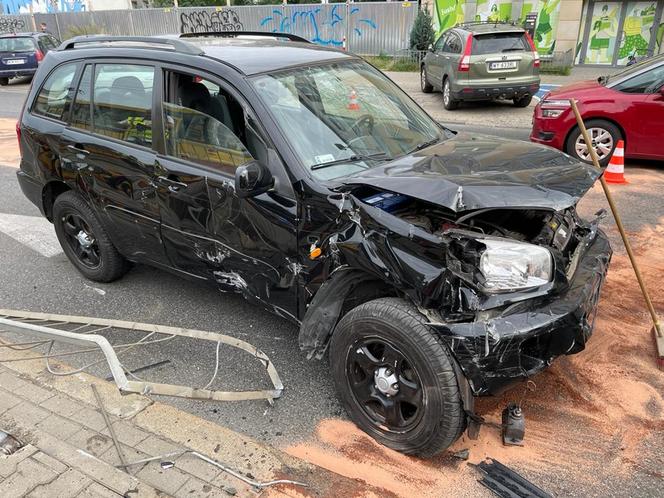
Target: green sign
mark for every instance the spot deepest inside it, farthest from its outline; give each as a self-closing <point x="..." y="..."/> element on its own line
<point x="448" y="13"/>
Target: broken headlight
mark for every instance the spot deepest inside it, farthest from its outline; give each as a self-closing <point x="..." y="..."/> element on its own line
<point x="511" y="266"/>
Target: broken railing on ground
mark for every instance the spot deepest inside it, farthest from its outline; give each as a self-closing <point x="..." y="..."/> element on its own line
<point x="86" y="332"/>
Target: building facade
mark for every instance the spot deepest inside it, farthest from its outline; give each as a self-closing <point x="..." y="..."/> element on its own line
<point x="590" y="32"/>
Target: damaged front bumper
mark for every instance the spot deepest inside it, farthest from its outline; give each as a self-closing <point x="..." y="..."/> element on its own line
<point x="523" y="339"/>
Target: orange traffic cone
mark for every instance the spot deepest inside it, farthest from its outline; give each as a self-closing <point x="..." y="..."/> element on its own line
<point x="352" y="104"/>
<point x="615" y="171"/>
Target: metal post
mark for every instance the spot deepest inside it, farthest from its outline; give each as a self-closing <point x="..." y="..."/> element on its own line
<point x="616" y="216"/>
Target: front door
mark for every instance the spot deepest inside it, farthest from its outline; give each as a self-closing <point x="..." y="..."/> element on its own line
<point x="244" y="245"/>
<point x="109" y="140"/>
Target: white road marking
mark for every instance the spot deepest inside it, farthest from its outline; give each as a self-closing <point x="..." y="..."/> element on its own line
<point x="32" y="231"/>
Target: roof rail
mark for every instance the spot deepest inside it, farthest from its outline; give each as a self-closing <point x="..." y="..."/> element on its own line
<point x="174" y="43"/>
<point x="495" y="23"/>
<point x="232" y="34"/>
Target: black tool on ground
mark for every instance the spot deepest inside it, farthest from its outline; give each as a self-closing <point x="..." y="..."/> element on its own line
<point x="506" y="483"/>
<point x="514" y="425"/>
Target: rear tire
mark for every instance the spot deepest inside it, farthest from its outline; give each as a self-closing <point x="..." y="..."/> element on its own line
<point x="523" y="101"/>
<point x="4" y="81"/>
<point x="84" y="240"/>
<point x="395" y="377"/>
<point x="449" y="101"/>
<point x="607" y="135"/>
<point x="424" y="82"/>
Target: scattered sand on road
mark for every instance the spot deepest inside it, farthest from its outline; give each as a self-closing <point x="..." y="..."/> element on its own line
<point x="593" y="418"/>
<point x="9" y="155"/>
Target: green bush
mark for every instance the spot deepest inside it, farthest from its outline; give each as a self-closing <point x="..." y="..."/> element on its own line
<point x="422" y="35"/>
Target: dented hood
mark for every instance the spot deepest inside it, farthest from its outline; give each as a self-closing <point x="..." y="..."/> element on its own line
<point x="470" y="171"/>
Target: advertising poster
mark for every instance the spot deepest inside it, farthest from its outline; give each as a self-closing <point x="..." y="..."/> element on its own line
<point x="637" y="29"/>
<point x="448" y="13"/>
<point x="493" y="10"/>
<point x="548" y="12"/>
<point x="603" y="33"/>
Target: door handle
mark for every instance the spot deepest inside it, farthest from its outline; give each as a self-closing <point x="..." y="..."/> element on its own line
<point x="77" y="149"/>
<point x="172" y="185"/>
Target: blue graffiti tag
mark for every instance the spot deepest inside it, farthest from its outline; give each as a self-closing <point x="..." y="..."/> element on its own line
<point x="23" y="6"/>
<point x="326" y="26"/>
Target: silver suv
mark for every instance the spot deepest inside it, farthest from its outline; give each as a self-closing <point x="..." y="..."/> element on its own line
<point x="480" y="61"/>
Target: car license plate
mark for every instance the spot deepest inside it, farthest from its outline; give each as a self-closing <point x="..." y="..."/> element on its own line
<point x="14" y="62"/>
<point x="503" y="65"/>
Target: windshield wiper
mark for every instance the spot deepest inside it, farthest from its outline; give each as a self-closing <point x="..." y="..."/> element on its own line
<point x="424" y="145"/>
<point x="514" y="49"/>
<point x="351" y="159"/>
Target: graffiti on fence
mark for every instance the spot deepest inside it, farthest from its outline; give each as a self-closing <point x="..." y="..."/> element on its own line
<point x="11" y="24"/>
<point x="202" y="21"/>
<point x="42" y="6"/>
<point x="328" y="26"/>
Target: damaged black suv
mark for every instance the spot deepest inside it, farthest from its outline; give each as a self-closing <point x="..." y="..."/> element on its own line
<point x="433" y="266"/>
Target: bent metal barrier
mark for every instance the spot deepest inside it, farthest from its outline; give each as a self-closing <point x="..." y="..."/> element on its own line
<point x="87" y="332"/>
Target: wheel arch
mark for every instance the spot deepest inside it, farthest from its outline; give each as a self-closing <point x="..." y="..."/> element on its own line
<point x="623" y="132"/>
<point x="50" y="192"/>
<point x="343" y="291"/>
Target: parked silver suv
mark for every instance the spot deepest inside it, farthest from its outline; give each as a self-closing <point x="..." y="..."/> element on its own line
<point x="480" y="61"/>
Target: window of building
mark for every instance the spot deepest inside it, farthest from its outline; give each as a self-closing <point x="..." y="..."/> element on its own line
<point x="55" y="96"/>
<point x="122" y="102"/>
<point x="204" y="124"/>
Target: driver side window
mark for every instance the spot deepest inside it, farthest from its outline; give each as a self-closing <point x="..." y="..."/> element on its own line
<point x="204" y="124"/>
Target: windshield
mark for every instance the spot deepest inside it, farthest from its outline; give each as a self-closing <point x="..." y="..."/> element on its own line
<point x="634" y="68"/>
<point x="342" y="118"/>
<point x="17" y="45"/>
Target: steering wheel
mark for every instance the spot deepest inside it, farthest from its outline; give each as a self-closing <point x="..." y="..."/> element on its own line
<point x="364" y="120"/>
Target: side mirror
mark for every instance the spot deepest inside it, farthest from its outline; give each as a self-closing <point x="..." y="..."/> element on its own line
<point x="252" y="179"/>
<point x="661" y="90"/>
<point x="430" y="47"/>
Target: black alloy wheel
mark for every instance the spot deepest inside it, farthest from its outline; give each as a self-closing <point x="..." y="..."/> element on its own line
<point x="384" y="384"/>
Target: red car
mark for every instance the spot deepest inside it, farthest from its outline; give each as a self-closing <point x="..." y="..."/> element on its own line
<point x="628" y="106"/>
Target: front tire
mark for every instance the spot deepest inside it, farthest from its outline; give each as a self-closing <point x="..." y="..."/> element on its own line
<point x="603" y="134"/>
<point x="395" y="378"/>
<point x="424" y="82"/>
<point x="84" y="240"/>
<point x="449" y="101"/>
<point x="4" y="81"/>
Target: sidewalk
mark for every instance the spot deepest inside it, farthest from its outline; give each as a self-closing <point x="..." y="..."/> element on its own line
<point x="493" y="114"/>
<point x="68" y="450"/>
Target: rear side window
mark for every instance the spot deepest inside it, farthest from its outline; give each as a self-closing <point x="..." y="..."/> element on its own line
<point x="17" y="45"/>
<point x="498" y="43"/>
<point x="81" y="116"/>
<point x="55" y="96"/>
<point x="122" y="102"/>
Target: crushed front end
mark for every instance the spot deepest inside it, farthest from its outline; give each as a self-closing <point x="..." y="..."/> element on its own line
<point x="500" y="329"/>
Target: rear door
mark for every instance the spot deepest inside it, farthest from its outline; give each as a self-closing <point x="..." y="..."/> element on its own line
<point x="109" y="146"/>
<point x="452" y="54"/>
<point x="17" y="53"/>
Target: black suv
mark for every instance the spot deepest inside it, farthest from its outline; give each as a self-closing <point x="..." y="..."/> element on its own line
<point x="434" y="266"/>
